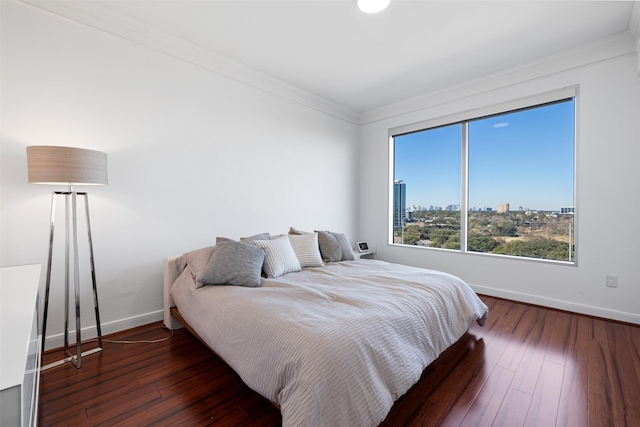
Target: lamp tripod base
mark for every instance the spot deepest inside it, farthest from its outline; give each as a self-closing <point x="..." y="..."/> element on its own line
<point x="71" y="220"/>
<point x="73" y="358"/>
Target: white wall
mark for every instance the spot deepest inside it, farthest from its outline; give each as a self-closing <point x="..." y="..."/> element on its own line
<point x="192" y="155"/>
<point x="608" y="180"/>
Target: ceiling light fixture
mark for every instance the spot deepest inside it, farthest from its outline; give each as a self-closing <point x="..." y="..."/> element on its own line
<point x="373" y="6"/>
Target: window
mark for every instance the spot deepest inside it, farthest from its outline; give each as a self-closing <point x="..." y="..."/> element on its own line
<point x="500" y="183"/>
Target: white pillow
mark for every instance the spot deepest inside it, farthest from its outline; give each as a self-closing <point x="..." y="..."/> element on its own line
<point x="306" y="249"/>
<point x="280" y="258"/>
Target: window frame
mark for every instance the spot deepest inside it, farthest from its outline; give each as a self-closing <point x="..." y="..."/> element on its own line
<point x="463" y="118"/>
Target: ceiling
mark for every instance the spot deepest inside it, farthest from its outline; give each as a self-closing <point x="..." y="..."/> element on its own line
<point x="363" y="62"/>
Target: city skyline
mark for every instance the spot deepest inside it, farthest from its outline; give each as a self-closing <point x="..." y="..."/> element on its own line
<point x="450" y="207"/>
<point x="524" y="158"/>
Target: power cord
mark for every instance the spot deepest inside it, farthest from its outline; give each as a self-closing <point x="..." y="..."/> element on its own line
<point x="70" y="358"/>
<point x="135" y="342"/>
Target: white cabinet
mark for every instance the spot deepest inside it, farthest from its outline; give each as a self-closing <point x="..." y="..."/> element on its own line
<point x="20" y="344"/>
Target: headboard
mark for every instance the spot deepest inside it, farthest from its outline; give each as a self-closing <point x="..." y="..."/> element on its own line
<point x="169" y="275"/>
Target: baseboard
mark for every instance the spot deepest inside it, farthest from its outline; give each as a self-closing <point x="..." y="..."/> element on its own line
<point x="558" y="304"/>
<point x="90" y="332"/>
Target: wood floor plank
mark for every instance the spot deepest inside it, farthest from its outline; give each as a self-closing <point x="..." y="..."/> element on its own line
<point x="74" y="398"/>
<point x="67" y="379"/>
<point x="559" y="340"/>
<point x="603" y="388"/>
<point x="487" y="404"/>
<point x="70" y="417"/>
<point x="513" y="318"/>
<point x="574" y="397"/>
<point x="544" y="402"/>
<point x="454" y="354"/>
<point x="580" y="331"/>
<point x="421" y="416"/>
<point x="98" y="395"/>
<point x="180" y="382"/>
<point x="599" y="420"/>
<point x="177" y="369"/>
<point x="458" y="392"/>
<point x="627" y="386"/>
<point x="495" y="323"/>
<point x="528" y="330"/>
<point x="599" y="330"/>
<point x="633" y="336"/>
<point x="514" y="408"/>
<point x="532" y="360"/>
<point x="200" y="405"/>
<point x="122" y="406"/>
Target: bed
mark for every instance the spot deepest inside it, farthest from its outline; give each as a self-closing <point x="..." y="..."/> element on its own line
<point x="333" y="345"/>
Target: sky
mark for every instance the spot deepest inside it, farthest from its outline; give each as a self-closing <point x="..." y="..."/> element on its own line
<point x="524" y="158"/>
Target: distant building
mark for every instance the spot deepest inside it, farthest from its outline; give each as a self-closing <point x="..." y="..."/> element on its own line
<point x="567" y="210"/>
<point x="399" y="203"/>
<point x="503" y="208"/>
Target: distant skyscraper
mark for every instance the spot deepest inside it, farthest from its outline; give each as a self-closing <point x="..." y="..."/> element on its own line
<point x="399" y="203"/>
<point x="504" y="208"/>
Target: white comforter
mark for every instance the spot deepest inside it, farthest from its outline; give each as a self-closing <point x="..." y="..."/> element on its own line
<point x="333" y="345"/>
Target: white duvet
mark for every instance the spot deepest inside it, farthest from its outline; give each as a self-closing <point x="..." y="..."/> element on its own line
<point x="333" y="345"/>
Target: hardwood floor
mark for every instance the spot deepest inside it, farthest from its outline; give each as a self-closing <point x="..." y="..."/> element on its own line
<point x="528" y="366"/>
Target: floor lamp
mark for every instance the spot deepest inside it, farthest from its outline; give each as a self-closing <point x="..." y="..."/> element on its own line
<point x="69" y="166"/>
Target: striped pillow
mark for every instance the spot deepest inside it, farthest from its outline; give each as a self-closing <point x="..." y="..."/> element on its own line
<point x="280" y="258"/>
<point x="306" y="249"/>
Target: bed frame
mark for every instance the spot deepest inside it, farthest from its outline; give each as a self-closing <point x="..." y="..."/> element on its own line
<point x="172" y="317"/>
<point x="169" y="275"/>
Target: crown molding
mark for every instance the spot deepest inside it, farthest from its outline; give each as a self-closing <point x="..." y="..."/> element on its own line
<point x="634" y="29"/>
<point x="616" y="46"/>
<point x="100" y="16"/>
<point x="634" y="20"/>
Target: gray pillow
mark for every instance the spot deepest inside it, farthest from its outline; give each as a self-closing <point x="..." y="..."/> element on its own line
<point x="233" y="263"/>
<point x="261" y="236"/>
<point x="330" y="248"/>
<point x="335" y="247"/>
<point x="345" y="246"/>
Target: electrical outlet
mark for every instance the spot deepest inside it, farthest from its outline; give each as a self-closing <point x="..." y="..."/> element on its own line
<point x="612" y="281"/>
